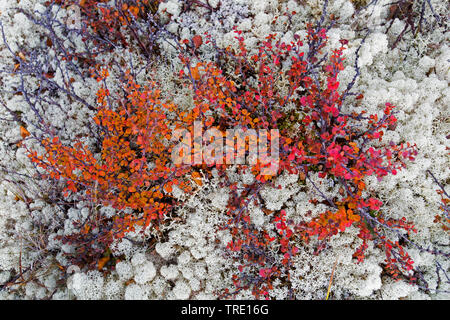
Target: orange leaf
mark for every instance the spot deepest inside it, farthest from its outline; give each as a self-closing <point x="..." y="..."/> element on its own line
<point x="195" y="73"/>
<point x="168" y="188"/>
<point x="24" y="132"/>
<point x="102" y="262"/>
<point x="86" y="229"/>
<point x="197" y="178"/>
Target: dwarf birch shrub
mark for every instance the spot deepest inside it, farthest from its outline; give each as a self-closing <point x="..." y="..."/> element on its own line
<point x="285" y="90"/>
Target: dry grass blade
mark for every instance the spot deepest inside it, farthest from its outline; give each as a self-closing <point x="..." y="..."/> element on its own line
<point x="331" y="279"/>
